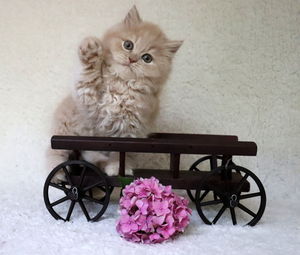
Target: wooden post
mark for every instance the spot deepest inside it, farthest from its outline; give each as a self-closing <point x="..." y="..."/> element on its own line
<point x="122" y="163"/>
<point x="213" y="162"/>
<point x="226" y="174"/>
<point x="174" y="164"/>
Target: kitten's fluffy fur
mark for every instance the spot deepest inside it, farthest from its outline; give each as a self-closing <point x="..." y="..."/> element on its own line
<point x="115" y="97"/>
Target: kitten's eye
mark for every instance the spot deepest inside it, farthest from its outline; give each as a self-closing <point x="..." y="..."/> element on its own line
<point x="128" y="45"/>
<point x="147" y="58"/>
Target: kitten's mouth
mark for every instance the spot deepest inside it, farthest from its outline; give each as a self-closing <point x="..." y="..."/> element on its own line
<point x="129" y="66"/>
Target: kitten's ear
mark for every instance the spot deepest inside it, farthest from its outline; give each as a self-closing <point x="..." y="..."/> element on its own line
<point x="173" y="46"/>
<point x="132" y="17"/>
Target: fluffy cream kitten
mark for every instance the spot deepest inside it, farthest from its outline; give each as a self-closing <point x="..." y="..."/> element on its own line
<point x="118" y="91"/>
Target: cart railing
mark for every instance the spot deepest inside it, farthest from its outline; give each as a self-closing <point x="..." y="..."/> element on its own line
<point x="173" y="146"/>
<point x="154" y="145"/>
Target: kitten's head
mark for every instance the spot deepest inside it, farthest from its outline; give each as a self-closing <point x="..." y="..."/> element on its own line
<point x="138" y="49"/>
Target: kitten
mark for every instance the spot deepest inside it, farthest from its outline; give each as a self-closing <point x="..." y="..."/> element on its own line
<point x="118" y="92"/>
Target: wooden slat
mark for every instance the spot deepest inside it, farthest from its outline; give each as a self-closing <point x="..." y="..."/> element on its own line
<point x="152" y="145"/>
<point x="186" y="180"/>
<point x="191" y="179"/>
<point x="198" y="137"/>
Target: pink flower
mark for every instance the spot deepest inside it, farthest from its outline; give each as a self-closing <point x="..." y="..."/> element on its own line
<point x="170" y="220"/>
<point x="127" y="224"/>
<point x="161" y="208"/>
<point x="181" y="213"/>
<point x="158" y="220"/>
<point x="143" y="190"/>
<point x="151" y="212"/>
<point x="167" y="190"/>
<point x="166" y="231"/>
<point x="155" y="238"/>
<point x="129" y="191"/>
<point x="142" y="204"/>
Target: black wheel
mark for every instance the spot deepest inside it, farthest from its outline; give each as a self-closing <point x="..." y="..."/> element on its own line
<point x="84" y="185"/>
<point x="242" y="197"/>
<point x="199" y="165"/>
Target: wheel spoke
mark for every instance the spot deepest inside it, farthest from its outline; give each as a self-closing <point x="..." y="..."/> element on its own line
<point x="93" y="186"/>
<point x="84" y="210"/>
<point x="82" y="175"/>
<point x="245" y="209"/>
<point x="68" y="176"/>
<point x="91" y="193"/>
<point x="215" y="196"/>
<point x="59" y="201"/>
<point x="204" y="195"/>
<point x="111" y="188"/>
<point x="213" y="202"/>
<point x="219" y="214"/>
<point x="70" y="210"/>
<point x="93" y="199"/>
<point x="196" y="168"/>
<point x="250" y="195"/>
<point x="242" y="183"/>
<point x="233" y="217"/>
<point x="54" y="185"/>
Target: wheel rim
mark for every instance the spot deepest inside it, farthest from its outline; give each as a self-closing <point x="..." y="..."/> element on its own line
<point x="60" y="199"/>
<point x="245" y="207"/>
<point x="196" y="167"/>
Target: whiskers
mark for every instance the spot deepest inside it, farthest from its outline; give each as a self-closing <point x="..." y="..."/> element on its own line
<point x="137" y="69"/>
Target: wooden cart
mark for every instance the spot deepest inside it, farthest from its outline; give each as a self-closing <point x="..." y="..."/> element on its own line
<point x="225" y="186"/>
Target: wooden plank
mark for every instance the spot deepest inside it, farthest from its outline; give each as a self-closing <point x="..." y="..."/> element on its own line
<point x="152" y="145"/>
<point x="191" y="179"/>
<point x="91" y="179"/>
<point x="200" y="137"/>
<point x="186" y="180"/>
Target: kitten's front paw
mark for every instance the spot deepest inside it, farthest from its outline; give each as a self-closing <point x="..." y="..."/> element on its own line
<point x="90" y="51"/>
<point x="112" y="169"/>
<point x="128" y="171"/>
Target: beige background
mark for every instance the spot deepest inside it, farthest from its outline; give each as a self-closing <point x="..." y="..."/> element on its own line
<point x="237" y="73"/>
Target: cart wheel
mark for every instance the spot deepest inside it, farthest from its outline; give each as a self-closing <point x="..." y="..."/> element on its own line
<point x="82" y="179"/>
<point x="245" y="198"/>
<point x="197" y="166"/>
<point x="94" y="192"/>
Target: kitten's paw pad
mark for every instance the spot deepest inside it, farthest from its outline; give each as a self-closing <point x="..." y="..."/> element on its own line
<point x="90" y="51"/>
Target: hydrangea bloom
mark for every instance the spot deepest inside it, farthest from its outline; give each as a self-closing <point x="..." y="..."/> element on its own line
<point x="151" y="212"/>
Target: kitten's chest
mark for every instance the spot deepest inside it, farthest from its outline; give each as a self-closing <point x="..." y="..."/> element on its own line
<point x="116" y="96"/>
<point x="124" y="92"/>
<point x="116" y="87"/>
<point x="126" y="97"/>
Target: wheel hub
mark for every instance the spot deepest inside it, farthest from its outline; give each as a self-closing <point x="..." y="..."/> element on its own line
<point x="233" y="200"/>
<point x="74" y="193"/>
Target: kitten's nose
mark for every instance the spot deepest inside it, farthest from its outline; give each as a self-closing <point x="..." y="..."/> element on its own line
<point x="132" y="60"/>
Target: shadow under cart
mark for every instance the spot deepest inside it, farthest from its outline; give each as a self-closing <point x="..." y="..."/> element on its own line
<point x="223" y="192"/>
